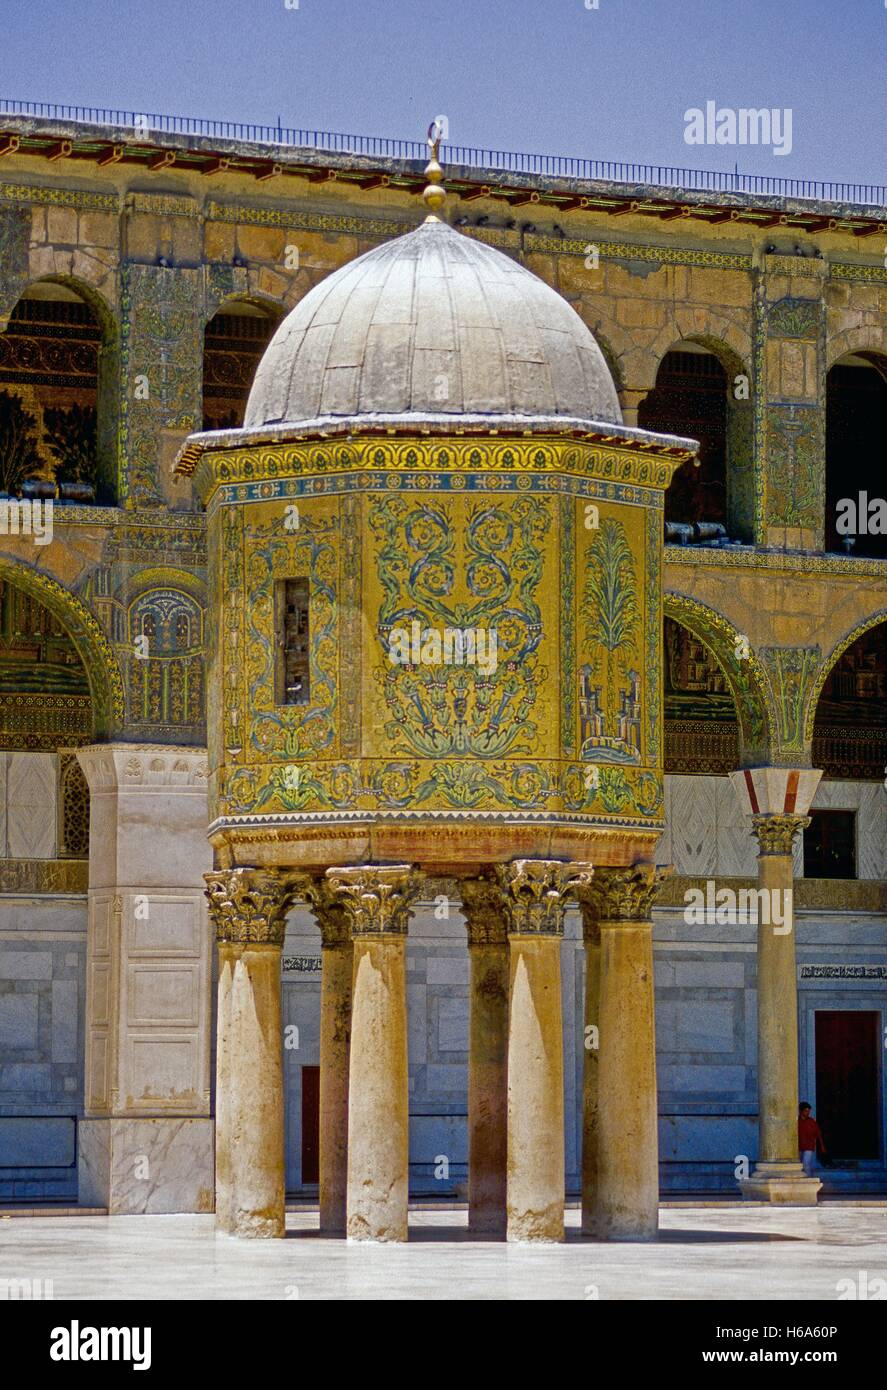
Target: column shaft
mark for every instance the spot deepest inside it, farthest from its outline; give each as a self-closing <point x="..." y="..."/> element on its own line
<point x="533" y="895"/>
<point x="379" y="1115"/>
<point x="626" y="1206"/>
<point x="377" y="903"/>
<point x="620" y="1159"/>
<point x="535" y="1090"/>
<point x="487" y="1055"/>
<point x="591" y="1073"/>
<point x="335" y="1034"/>
<point x="488" y="1087"/>
<point x="248" y="907"/>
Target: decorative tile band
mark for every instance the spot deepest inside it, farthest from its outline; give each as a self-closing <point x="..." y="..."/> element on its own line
<point x="59" y="197"/>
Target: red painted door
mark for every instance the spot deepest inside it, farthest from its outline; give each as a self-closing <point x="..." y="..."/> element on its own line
<point x="847" y="1082"/>
<point x="310" y="1125"/>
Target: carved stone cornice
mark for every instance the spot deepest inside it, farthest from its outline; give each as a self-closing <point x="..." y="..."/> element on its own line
<point x="329" y="912"/>
<point x="249" y="906"/>
<point x="377" y="900"/>
<point x="620" y="895"/>
<point x="483" y="912"/>
<point x="776" y="834"/>
<point x="534" y="894"/>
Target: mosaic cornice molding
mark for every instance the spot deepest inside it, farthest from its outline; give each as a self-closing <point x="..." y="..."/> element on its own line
<point x="162" y="205"/>
<point x="254" y="216"/>
<point x="851" y="270"/>
<point x="59" y="197"/>
<point x="775" y="560"/>
<point x="238" y="469"/>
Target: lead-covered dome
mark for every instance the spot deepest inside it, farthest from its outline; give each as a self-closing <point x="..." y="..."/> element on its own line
<point x="432" y="322"/>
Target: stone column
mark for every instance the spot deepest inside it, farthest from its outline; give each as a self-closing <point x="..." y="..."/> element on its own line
<point x="248" y="908"/>
<point x="533" y="898"/>
<point x="337" y="957"/>
<point x="487" y="1055"/>
<point x="377" y="902"/>
<point x="145" y="1143"/>
<point x="620" y="1163"/>
<point x="778" y="799"/>
<point x="591" y="933"/>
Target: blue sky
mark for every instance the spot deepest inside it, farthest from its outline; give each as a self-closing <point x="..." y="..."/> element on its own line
<point x="539" y="75"/>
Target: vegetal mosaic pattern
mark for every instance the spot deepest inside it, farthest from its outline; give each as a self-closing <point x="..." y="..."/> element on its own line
<point x="422" y="736"/>
<point x="482" y="574"/>
<point x="161" y="341"/>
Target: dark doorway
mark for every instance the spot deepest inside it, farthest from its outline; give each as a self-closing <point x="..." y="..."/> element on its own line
<point x="310" y="1125"/>
<point x="847" y="1083"/>
<point x="830" y="845"/>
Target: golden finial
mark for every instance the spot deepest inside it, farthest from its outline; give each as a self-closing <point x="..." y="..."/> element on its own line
<point x="435" y="194"/>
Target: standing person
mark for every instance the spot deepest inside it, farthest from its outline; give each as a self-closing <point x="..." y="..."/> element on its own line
<point x="809" y="1139"/>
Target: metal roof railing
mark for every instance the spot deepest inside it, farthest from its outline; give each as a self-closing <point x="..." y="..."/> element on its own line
<point x="143" y="123"/>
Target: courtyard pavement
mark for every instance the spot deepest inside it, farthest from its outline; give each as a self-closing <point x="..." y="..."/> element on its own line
<point x="736" y="1252"/>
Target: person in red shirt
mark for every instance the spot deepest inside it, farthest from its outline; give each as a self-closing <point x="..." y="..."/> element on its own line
<point x="809" y="1139"/>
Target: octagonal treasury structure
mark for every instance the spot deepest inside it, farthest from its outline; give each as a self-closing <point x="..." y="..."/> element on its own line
<point x="435" y="560"/>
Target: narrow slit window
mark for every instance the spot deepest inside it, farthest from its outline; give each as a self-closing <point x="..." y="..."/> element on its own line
<point x="293" y="676"/>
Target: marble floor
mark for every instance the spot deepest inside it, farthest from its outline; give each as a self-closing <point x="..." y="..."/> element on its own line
<point x="702" y="1253"/>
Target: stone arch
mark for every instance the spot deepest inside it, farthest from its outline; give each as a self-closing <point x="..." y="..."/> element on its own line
<point x="736" y="492"/>
<point x="855" y="416"/>
<point x="95" y="651"/>
<point x="870" y="337"/>
<point x="108" y="372"/>
<point x="235" y="336"/>
<point x="744" y="674"/>
<point x="841" y="646"/>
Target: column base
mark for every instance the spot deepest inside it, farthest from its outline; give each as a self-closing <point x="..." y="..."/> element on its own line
<point x="135" y="1166"/>
<point x="782" y="1184"/>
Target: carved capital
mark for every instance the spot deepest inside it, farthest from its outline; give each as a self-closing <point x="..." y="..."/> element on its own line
<point x="483" y="912"/>
<point x="249" y="906"/>
<point x="534" y="894"/>
<point x="329" y="912"/>
<point x="376" y="900"/>
<point x="776" y="834"/>
<point x="620" y="895"/>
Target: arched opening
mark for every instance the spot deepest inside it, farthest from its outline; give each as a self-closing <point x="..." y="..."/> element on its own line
<point x="856" y="415"/>
<point x="46" y="710"/>
<point x="701" y="724"/>
<point x="705" y="395"/>
<point x="57" y="434"/>
<point x="850" y="724"/>
<point x="233" y="343"/>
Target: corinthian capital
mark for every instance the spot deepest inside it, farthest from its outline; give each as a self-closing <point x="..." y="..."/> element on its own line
<point x="534" y="894"/>
<point x="776" y="834"/>
<point x="249" y="906"/>
<point x="620" y="895"/>
<point x="483" y="911"/>
<point x="376" y="900"/>
<point x="328" y="911"/>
